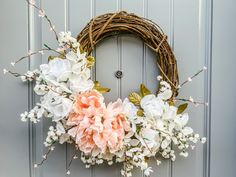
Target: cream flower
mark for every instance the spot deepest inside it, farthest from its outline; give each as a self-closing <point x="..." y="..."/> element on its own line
<point x="58" y="106"/>
<point x="152" y="106"/>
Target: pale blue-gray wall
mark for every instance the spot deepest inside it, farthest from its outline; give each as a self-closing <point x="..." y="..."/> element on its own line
<point x="201" y="32"/>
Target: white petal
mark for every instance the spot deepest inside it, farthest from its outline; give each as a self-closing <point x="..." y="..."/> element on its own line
<point x="165" y="95"/>
<point x="165" y="143"/>
<point x="134" y="142"/>
<point x="187" y="130"/>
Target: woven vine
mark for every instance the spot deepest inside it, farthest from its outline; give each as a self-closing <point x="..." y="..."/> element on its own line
<point x="152" y="35"/>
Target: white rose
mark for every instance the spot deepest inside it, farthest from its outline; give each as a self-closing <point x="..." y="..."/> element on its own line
<point x="153" y="106"/>
<point x="150" y="138"/>
<point x="55" y="69"/>
<point x="129" y="108"/>
<point x="58" y="67"/>
<point x="80" y="85"/>
<point x="58" y="106"/>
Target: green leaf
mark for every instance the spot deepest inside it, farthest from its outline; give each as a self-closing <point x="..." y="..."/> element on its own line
<point x="144" y="90"/>
<point x="99" y="88"/>
<point x="181" y="108"/>
<point x="140" y="113"/>
<point x="135" y="98"/>
<point x="90" y="61"/>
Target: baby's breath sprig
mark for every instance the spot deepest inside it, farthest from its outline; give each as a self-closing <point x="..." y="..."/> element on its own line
<point x="45" y="156"/>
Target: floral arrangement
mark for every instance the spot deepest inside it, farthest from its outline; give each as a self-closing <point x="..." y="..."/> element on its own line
<point x="131" y="131"/>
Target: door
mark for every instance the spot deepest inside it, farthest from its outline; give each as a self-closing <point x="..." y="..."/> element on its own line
<point x="200" y="33"/>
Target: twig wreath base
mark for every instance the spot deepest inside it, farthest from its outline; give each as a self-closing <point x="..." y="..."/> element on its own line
<point x="151" y="34"/>
<point x="130" y="131"/>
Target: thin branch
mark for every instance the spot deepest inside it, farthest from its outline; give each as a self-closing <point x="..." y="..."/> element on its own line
<point x="45" y="16"/>
<point x="190" y="78"/>
<point x="191" y="101"/>
<point x="70" y="162"/>
<point x="37" y="52"/>
<point x="45" y="156"/>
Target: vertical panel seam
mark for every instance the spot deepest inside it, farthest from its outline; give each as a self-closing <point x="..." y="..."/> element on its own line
<point x="171" y="34"/>
<point x="208" y="86"/>
<point x="92" y="14"/>
<point x="119" y="46"/>
<point x="30" y="95"/>
<point x="66" y="28"/>
<point x="144" y="79"/>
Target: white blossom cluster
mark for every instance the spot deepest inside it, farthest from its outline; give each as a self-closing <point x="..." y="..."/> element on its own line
<point x="30" y="75"/>
<point x="33" y="115"/>
<point x="66" y="40"/>
<point x="56" y="134"/>
<point x="56" y="82"/>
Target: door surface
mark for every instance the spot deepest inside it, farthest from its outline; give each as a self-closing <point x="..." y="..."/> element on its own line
<point x="201" y="32"/>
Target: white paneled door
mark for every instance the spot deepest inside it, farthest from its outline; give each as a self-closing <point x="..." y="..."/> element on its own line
<point x="201" y="32"/>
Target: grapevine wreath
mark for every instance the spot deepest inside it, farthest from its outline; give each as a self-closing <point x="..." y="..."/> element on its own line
<point x="129" y="131"/>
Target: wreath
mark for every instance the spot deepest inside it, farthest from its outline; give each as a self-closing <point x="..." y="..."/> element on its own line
<point x="129" y="131"/>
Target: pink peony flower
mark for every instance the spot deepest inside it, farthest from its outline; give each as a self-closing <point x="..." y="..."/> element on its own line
<point x="98" y="127"/>
<point x="116" y="125"/>
<point x="87" y="104"/>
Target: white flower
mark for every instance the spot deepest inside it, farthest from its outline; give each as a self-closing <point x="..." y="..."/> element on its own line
<point x="165" y="95"/>
<point x="181" y="121"/>
<point x="80" y="85"/>
<point x="159" y="78"/>
<point x="75" y="57"/>
<point x="150" y="138"/>
<point x="191" y="99"/>
<point x="60" y="129"/>
<point x="24" y="116"/>
<point x="203" y="140"/>
<point x="5" y="71"/>
<point x="129" y="108"/>
<point x="169" y="112"/>
<point x="59" y="106"/>
<point x="184" y="154"/>
<point x="147" y="171"/>
<point x="42" y="13"/>
<point x="13" y="63"/>
<point x="153" y="106"/>
<point x="158" y="162"/>
<point x="165" y="143"/>
<point x="40" y="89"/>
<point x="23" y="78"/>
<point x="134" y="142"/>
<point x="58" y="67"/>
<point x="187" y="131"/>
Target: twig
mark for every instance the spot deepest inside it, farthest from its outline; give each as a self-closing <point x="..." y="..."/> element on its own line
<point x="45" y="16"/>
<point x="190" y="78"/>
<point x="191" y="101"/>
<point x="70" y="162"/>
<point x="45" y="156"/>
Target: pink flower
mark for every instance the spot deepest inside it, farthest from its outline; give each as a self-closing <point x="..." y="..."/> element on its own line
<point x="98" y="127"/>
<point x="87" y="104"/>
<point x="116" y="125"/>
